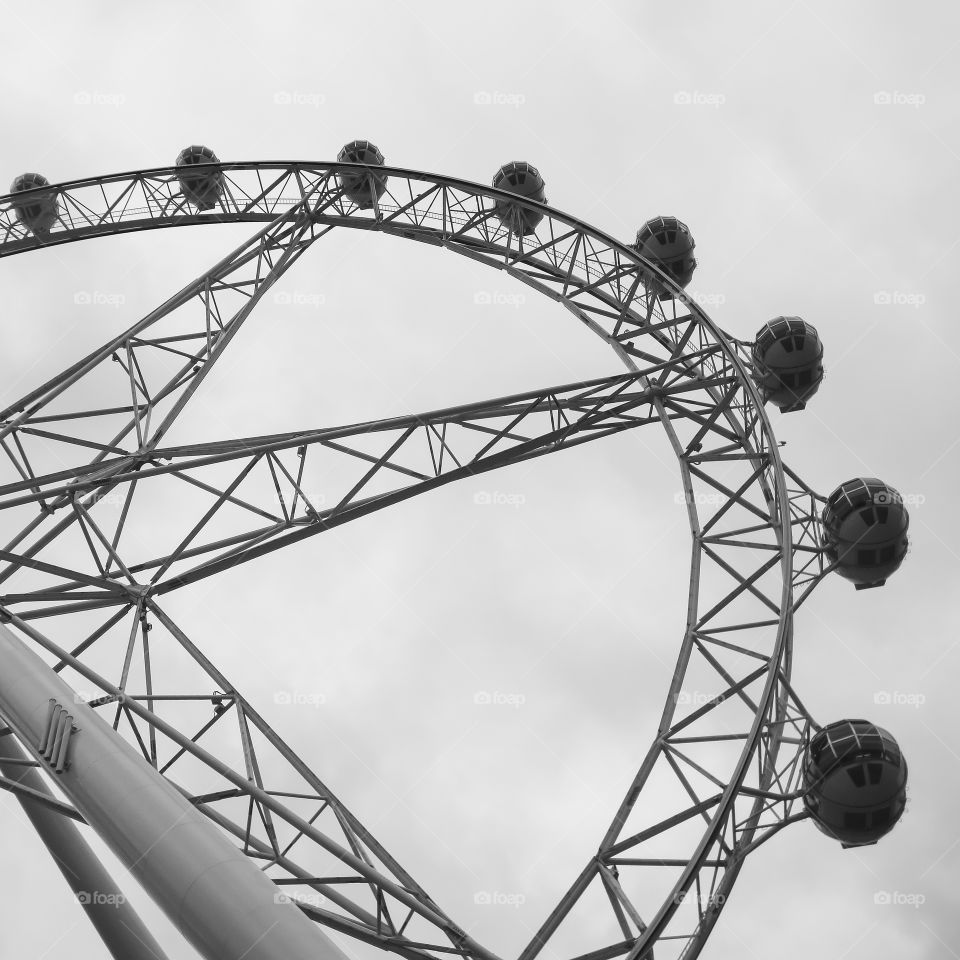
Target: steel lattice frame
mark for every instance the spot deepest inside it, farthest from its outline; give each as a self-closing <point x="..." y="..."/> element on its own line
<point x="77" y="472"/>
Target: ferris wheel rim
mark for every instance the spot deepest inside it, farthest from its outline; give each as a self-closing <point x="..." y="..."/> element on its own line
<point x="780" y="660"/>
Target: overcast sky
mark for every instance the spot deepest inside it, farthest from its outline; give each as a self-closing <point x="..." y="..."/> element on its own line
<point x="813" y="149"/>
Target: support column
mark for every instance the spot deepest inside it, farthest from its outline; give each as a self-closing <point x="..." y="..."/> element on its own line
<point x="120" y="927"/>
<point x="224" y="905"/>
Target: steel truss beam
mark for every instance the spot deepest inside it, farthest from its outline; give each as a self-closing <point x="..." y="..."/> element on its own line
<point x="730" y="710"/>
<point x="400" y="458"/>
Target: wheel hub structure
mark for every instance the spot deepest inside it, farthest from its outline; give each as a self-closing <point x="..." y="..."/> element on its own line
<point x="86" y="454"/>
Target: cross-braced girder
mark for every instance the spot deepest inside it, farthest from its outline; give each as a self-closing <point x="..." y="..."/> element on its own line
<point x="729" y="712"/>
<point x="289" y="482"/>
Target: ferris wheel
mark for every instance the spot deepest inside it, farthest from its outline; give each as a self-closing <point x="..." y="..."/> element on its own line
<point x="237" y="838"/>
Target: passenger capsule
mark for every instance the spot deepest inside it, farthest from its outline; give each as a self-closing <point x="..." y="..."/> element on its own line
<point x="363" y="188"/>
<point x="203" y="186"/>
<point x="524" y="180"/>
<point x="667" y="244"/>
<point x="855" y="782"/>
<point x="865" y="531"/>
<point x="788" y="362"/>
<point x="41" y="212"/>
